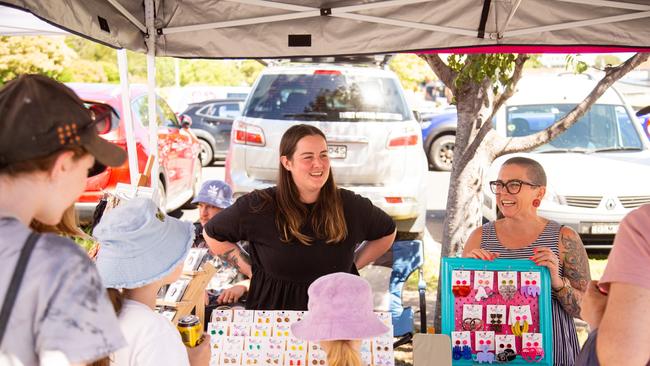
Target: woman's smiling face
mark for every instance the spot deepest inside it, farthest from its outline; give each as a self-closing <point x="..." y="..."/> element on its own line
<point x="309" y="165"/>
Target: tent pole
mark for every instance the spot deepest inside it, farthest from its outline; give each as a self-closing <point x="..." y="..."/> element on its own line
<point x="123" y="65"/>
<point x="151" y="86"/>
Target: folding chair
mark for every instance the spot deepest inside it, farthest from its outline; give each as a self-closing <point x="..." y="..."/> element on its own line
<point x="408" y="256"/>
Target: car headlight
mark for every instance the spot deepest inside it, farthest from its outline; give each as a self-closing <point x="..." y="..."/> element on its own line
<point x="551" y="196"/>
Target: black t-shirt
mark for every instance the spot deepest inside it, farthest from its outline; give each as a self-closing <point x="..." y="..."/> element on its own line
<point x="282" y="272"/>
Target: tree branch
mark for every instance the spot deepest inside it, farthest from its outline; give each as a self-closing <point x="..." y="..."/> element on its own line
<point x="510" y="89"/>
<point x="517" y="144"/>
<point x="444" y="72"/>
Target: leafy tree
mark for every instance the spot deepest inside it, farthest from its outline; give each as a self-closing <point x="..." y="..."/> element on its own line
<point x="602" y="61"/>
<point x="481" y="84"/>
<point x="411" y="70"/>
<point x="37" y="55"/>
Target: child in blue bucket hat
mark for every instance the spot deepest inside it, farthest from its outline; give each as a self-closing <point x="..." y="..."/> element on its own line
<point x="214" y="196"/>
<point x="143" y="249"/>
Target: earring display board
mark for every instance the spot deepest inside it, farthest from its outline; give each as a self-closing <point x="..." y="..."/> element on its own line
<point x="264" y="338"/>
<point x="187" y="294"/>
<point x="497" y="311"/>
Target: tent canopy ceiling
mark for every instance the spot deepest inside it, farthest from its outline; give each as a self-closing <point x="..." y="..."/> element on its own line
<point x="272" y="29"/>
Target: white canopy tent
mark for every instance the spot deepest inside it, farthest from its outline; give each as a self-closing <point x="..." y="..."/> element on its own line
<point x="274" y="29"/>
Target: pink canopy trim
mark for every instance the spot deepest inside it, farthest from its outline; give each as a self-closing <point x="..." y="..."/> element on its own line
<point x="537" y="49"/>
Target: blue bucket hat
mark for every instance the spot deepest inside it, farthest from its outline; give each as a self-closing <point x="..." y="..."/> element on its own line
<point x="139" y="244"/>
<point x="216" y="193"/>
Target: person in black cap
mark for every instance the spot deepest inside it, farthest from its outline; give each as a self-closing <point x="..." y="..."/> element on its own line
<point x="48" y="144"/>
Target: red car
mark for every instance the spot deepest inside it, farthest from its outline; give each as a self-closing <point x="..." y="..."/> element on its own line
<point x="179" y="173"/>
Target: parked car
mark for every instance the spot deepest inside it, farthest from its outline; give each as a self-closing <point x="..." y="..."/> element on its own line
<point x="595" y="169"/>
<point x="211" y="122"/>
<point x="375" y="143"/>
<point x="439" y="136"/>
<point x="178" y="149"/>
<point x="644" y="117"/>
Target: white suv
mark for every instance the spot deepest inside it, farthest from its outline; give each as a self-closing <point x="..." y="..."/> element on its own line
<point x="597" y="170"/>
<point x="375" y="143"/>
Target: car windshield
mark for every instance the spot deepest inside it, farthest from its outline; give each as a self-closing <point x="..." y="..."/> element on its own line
<point x="603" y="128"/>
<point x="328" y="96"/>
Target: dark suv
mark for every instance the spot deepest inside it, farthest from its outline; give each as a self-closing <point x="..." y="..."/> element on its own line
<point x="211" y="122"/>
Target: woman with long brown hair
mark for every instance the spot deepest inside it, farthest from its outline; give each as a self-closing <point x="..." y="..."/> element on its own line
<point x="301" y="229"/>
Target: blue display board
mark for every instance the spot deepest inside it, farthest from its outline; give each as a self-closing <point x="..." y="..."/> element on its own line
<point x="473" y="286"/>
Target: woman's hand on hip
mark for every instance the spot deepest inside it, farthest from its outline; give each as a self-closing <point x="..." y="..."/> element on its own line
<point x="483" y="254"/>
<point x="545" y="257"/>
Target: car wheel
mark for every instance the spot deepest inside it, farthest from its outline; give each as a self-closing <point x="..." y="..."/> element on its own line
<point x="206" y="155"/>
<point x="441" y="152"/>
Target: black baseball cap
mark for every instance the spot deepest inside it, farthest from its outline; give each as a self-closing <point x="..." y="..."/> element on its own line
<point x="40" y="116"/>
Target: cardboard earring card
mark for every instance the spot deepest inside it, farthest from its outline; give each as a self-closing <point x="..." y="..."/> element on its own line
<point x="472" y="311"/>
<point x="218" y="330"/>
<point x="382" y="352"/>
<point x="507" y="278"/>
<point x="521" y="314"/>
<point x="231" y="358"/>
<point x="263" y="317"/>
<point x="272" y="359"/>
<point x="275" y="345"/>
<point x="297" y="345"/>
<point x="240" y="329"/>
<point x="294" y="359"/>
<point x="253" y="344"/>
<point x="483" y="279"/>
<point x="483" y="339"/>
<point x="460" y="338"/>
<point x="243" y="316"/>
<point x="531" y="340"/>
<point x="261" y="330"/>
<point x="282" y="331"/>
<point x="176" y="290"/>
<point x="283" y="317"/>
<point x="232" y="344"/>
<point x="251" y="358"/>
<point x="221" y="316"/>
<point x="504" y="341"/>
<point x="460" y="278"/>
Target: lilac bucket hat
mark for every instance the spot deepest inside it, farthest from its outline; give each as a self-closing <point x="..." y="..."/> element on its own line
<point x="340" y="307"/>
<point x="139" y="244"/>
<point x="216" y="193"/>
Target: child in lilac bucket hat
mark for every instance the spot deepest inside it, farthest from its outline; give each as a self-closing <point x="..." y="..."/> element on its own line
<point x="141" y="250"/>
<point x="340" y="316"/>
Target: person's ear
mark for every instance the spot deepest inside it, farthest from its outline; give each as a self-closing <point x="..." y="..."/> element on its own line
<point x="541" y="193"/>
<point x="286" y="163"/>
<point x="62" y="165"/>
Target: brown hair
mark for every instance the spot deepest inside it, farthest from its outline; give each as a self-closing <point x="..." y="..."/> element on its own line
<point x="327" y="220"/>
<point x="41" y="164"/>
<point x="341" y="353"/>
<point x="534" y="170"/>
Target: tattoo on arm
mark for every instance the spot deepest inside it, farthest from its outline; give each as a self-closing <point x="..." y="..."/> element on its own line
<point x="233" y="257"/>
<point x="576" y="270"/>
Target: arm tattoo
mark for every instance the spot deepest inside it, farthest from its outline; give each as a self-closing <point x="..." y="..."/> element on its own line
<point x="576" y="270"/>
<point x="233" y="256"/>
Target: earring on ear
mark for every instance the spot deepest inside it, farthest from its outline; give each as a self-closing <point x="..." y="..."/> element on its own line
<point x="536" y="202"/>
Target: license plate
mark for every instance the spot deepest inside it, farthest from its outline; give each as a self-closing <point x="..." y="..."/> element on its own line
<point x="605" y="228"/>
<point x="337" y="151"/>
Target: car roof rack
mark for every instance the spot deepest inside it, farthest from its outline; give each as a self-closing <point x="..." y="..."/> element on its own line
<point x="366" y="60"/>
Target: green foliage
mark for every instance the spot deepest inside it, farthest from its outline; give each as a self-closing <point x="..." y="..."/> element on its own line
<point x="411" y="70"/>
<point x="533" y="62"/>
<point x="37" y="55"/>
<point x="75" y="59"/>
<point x="497" y="68"/>
<point x="575" y="65"/>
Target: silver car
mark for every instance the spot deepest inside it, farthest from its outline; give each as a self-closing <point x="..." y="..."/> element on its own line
<point x="375" y="143"/>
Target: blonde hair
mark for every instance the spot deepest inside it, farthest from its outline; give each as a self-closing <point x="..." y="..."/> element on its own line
<point x="341" y="353"/>
<point x="68" y="226"/>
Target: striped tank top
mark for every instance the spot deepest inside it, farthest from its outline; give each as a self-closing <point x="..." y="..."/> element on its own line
<point x="565" y="337"/>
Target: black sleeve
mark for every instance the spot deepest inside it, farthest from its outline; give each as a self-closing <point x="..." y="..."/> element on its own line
<point x="226" y="225"/>
<point x="375" y="222"/>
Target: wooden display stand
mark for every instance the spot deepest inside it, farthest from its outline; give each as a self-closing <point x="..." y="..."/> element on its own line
<point x="194" y="296"/>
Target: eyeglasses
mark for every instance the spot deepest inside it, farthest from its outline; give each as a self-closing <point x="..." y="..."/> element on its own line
<point x="512" y="186"/>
